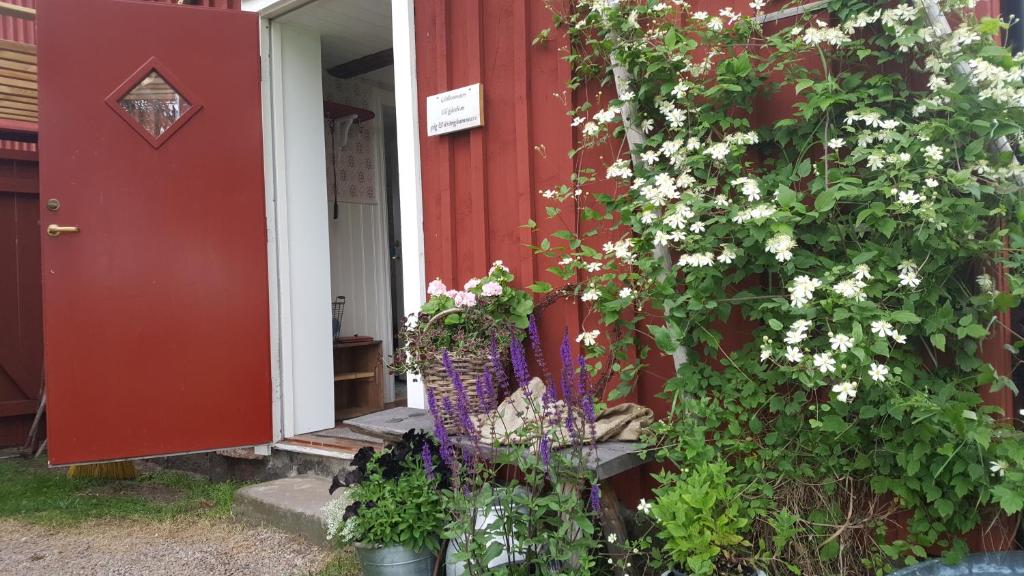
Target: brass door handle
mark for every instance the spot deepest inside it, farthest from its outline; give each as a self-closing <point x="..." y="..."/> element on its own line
<point x="55" y="230"/>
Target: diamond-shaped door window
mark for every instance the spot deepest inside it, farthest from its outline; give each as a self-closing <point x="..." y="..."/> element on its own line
<point x="153" y="102"/>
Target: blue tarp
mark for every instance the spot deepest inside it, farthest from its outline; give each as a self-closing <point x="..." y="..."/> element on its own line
<point x="987" y="564"/>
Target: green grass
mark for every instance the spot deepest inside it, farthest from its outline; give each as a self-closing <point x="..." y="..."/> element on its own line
<point x="343" y="564"/>
<point x="31" y="492"/>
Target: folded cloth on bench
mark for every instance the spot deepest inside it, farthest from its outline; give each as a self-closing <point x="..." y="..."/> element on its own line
<point x="516" y="419"/>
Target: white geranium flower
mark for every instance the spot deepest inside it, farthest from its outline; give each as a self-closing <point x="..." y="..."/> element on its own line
<point x="836" y="143"/>
<point x="841" y="342"/>
<point x="644" y="507"/>
<point x="878" y="372"/>
<point x="727" y="255"/>
<point x="626" y="292"/>
<point x="824" y="362"/>
<point x="931" y="182"/>
<point x="590" y="295"/>
<point x="649" y="157"/>
<point x="845" y="391"/>
<point x="862" y="272"/>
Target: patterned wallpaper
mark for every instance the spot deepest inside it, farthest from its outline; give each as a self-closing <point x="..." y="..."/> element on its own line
<point x="350" y="165"/>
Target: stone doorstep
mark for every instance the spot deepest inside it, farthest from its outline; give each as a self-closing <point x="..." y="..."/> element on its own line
<point x="289" y="504"/>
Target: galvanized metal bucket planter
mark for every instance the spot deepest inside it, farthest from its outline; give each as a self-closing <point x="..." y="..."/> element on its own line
<point x="395" y="561"/>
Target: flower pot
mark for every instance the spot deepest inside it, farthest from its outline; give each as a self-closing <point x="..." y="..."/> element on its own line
<point x="681" y="573"/>
<point x="395" y="561"/>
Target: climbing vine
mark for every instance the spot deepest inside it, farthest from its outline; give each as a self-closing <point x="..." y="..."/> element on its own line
<point x="867" y="232"/>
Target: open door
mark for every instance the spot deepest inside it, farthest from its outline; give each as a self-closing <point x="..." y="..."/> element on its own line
<point x="155" y="301"/>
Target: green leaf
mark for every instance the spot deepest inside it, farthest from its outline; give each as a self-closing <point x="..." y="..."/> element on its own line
<point x="905" y="316"/>
<point x="663" y="338"/>
<point x="787" y="196"/>
<point x="1011" y="501"/>
<point x="620" y="391"/>
<point x="825" y="201"/>
<point x="540" y="287"/>
<point x="939" y="341"/>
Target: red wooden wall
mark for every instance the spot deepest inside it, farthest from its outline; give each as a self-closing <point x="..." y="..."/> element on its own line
<point x="21" y="329"/>
<point x="21" y="339"/>
<point x="480" y="186"/>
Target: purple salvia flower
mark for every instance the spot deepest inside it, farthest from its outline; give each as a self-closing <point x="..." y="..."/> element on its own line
<point x="439" y="430"/>
<point x="568" y="371"/>
<point x="462" y="401"/>
<point x="538" y="351"/>
<point x="595" y="498"/>
<point x="485" y="390"/>
<point x="581" y="382"/>
<point x="570" y="424"/>
<point x="522" y="373"/>
<point x="428" y="461"/>
<point x="545" y="452"/>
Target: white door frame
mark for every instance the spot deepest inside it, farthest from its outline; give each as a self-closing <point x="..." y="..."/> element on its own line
<point x="410" y="191"/>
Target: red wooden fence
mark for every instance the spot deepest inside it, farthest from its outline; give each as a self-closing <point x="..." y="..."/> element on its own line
<point x="21" y="338"/>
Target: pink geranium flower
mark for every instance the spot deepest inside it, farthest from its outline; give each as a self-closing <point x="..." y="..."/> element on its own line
<point x="436" y="287"/>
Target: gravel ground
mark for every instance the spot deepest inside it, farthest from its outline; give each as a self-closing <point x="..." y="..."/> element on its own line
<point x="187" y="547"/>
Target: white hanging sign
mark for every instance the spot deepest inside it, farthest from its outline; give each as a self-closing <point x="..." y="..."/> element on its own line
<point x="455" y="110"/>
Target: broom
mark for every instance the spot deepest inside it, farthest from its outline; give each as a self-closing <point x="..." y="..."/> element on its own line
<point x="119" y="470"/>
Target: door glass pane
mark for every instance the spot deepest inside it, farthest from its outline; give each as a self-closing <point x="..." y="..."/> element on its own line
<point x="154" y="104"/>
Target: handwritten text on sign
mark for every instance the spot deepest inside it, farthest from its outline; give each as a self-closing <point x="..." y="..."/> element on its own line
<point x="455" y="110"/>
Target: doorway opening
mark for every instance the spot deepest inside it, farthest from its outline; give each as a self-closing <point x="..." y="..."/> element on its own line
<point x="359" y="208"/>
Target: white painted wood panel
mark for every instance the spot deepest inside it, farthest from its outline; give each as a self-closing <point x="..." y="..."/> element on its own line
<point x="304" y="265"/>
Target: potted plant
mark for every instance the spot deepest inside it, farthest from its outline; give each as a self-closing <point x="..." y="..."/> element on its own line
<point x="391" y="509"/>
<point x="471" y="324"/>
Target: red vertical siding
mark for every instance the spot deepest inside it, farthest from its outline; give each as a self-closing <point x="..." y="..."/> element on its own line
<point x="21" y="338"/>
<point x="480" y="186"/>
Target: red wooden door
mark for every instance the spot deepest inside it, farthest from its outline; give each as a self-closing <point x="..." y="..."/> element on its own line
<point x="155" y="312"/>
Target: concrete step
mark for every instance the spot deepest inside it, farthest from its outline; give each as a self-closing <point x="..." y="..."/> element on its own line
<point x="289" y="504"/>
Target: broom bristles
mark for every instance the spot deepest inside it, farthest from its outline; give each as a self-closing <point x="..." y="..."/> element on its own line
<point x="120" y="470"/>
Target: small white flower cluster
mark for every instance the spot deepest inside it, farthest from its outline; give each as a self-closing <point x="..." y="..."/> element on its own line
<point x="338" y="529"/>
<point x="801" y="291"/>
<point x="781" y="245"/>
<point x="822" y="33"/>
